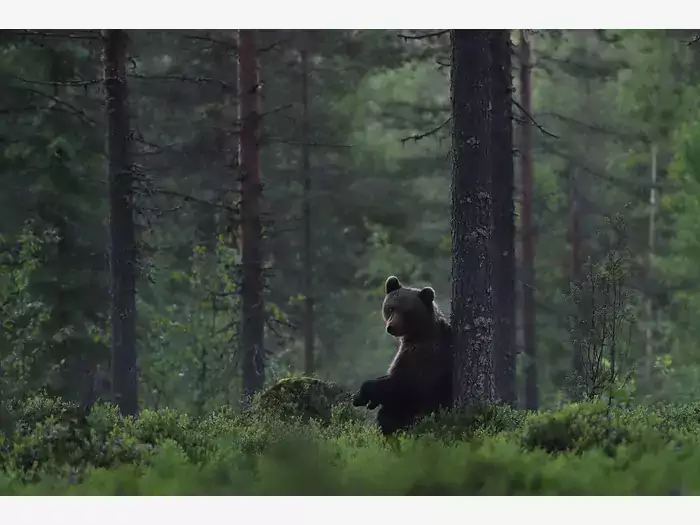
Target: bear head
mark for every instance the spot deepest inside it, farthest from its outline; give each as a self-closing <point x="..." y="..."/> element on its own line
<point x="407" y="311"/>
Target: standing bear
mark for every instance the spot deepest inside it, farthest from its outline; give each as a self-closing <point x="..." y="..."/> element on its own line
<point x="419" y="379"/>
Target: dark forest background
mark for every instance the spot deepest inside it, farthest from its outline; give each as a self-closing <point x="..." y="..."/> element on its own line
<point x="354" y="164"/>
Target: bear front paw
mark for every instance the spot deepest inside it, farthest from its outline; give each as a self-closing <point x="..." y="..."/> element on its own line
<point x="365" y="396"/>
<point x="359" y="399"/>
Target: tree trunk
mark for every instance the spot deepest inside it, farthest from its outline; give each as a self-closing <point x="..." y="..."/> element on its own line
<point x="576" y="273"/>
<point x="503" y="219"/>
<point x="531" y="383"/>
<point x="121" y="224"/>
<point x="472" y="315"/>
<point x="253" y="307"/>
<point x="309" y="364"/>
<point x="649" y="307"/>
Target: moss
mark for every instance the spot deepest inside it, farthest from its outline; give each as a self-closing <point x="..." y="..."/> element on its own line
<point x="301" y="397"/>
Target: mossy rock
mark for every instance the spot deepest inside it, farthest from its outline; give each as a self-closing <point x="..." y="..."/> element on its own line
<point x="301" y="397"/>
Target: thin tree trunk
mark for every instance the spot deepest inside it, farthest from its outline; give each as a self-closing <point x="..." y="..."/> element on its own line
<point x="503" y="220"/>
<point x="531" y="383"/>
<point x="576" y="274"/>
<point x="472" y="310"/>
<point x="253" y="313"/>
<point x="309" y="364"/>
<point x="649" y="307"/>
<point x="121" y="224"/>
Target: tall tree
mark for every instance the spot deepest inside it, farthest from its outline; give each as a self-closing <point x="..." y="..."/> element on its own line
<point x="253" y="306"/>
<point x="576" y="274"/>
<point x="121" y="223"/>
<point x="309" y="364"/>
<point x="471" y="300"/>
<point x="503" y="218"/>
<point x="649" y="306"/>
<point x="528" y="233"/>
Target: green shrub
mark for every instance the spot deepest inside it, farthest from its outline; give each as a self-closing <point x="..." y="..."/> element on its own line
<point x="587" y="426"/>
<point x="471" y="423"/>
<point x="494" y="466"/>
<point x="579" y="449"/>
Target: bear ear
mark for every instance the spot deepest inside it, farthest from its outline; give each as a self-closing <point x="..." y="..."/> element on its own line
<point x="427" y="295"/>
<point x="392" y="284"/>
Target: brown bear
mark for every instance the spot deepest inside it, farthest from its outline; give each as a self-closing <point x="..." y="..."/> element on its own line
<point x="419" y="379"/>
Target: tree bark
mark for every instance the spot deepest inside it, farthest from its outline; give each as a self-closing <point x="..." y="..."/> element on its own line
<point x="576" y="273"/>
<point x="503" y="219"/>
<point x="472" y="309"/>
<point x="253" y="307"/>
<point x="531" y="382"/>
<point x="123" y="255"/>
<point x="309" y="362"/>
<point x="649" y="306"/>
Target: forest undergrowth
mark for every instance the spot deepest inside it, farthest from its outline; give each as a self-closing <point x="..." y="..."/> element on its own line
<point x="302" y="437"/>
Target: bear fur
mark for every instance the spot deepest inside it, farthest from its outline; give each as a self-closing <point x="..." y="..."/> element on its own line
<point x="419" y="379"/>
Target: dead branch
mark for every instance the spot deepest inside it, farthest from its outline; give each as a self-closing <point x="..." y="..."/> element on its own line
<point x="58" y="101"/>
<point x="87" y="35"/>
<point x="180" y="78"/>
<point x="192" y="198"/>
<point x="276" y="110"/>
<point x="228" y="45"/>
<point x="424" y="35"/>
<point x="66" y="83"/>
<point x="420" y="136"/>
<point x="11" y="111"/>
<point x="594" y="127"/>
<point x="533" y="121"/>
<point x="273" y="45"/>
<point x="273" y="140"/>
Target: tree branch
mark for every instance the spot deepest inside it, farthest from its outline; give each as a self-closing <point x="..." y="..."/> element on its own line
<point x="273" y="140"/>
<point x="229" y="45"/>
<point x="66" y="83"/>
<point x="424" y="35"/>
<point x="420" y="136"/>
<point x="181" y="78"/>
<point x="276" y="110"/>
<point x="533" y="121"/>
<point x="87" y="35"/>
<point x="594" y="127"/>
<point x="192" y="198"/>
<point x="73" y="109"/>
<point x="273" y="45"/>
